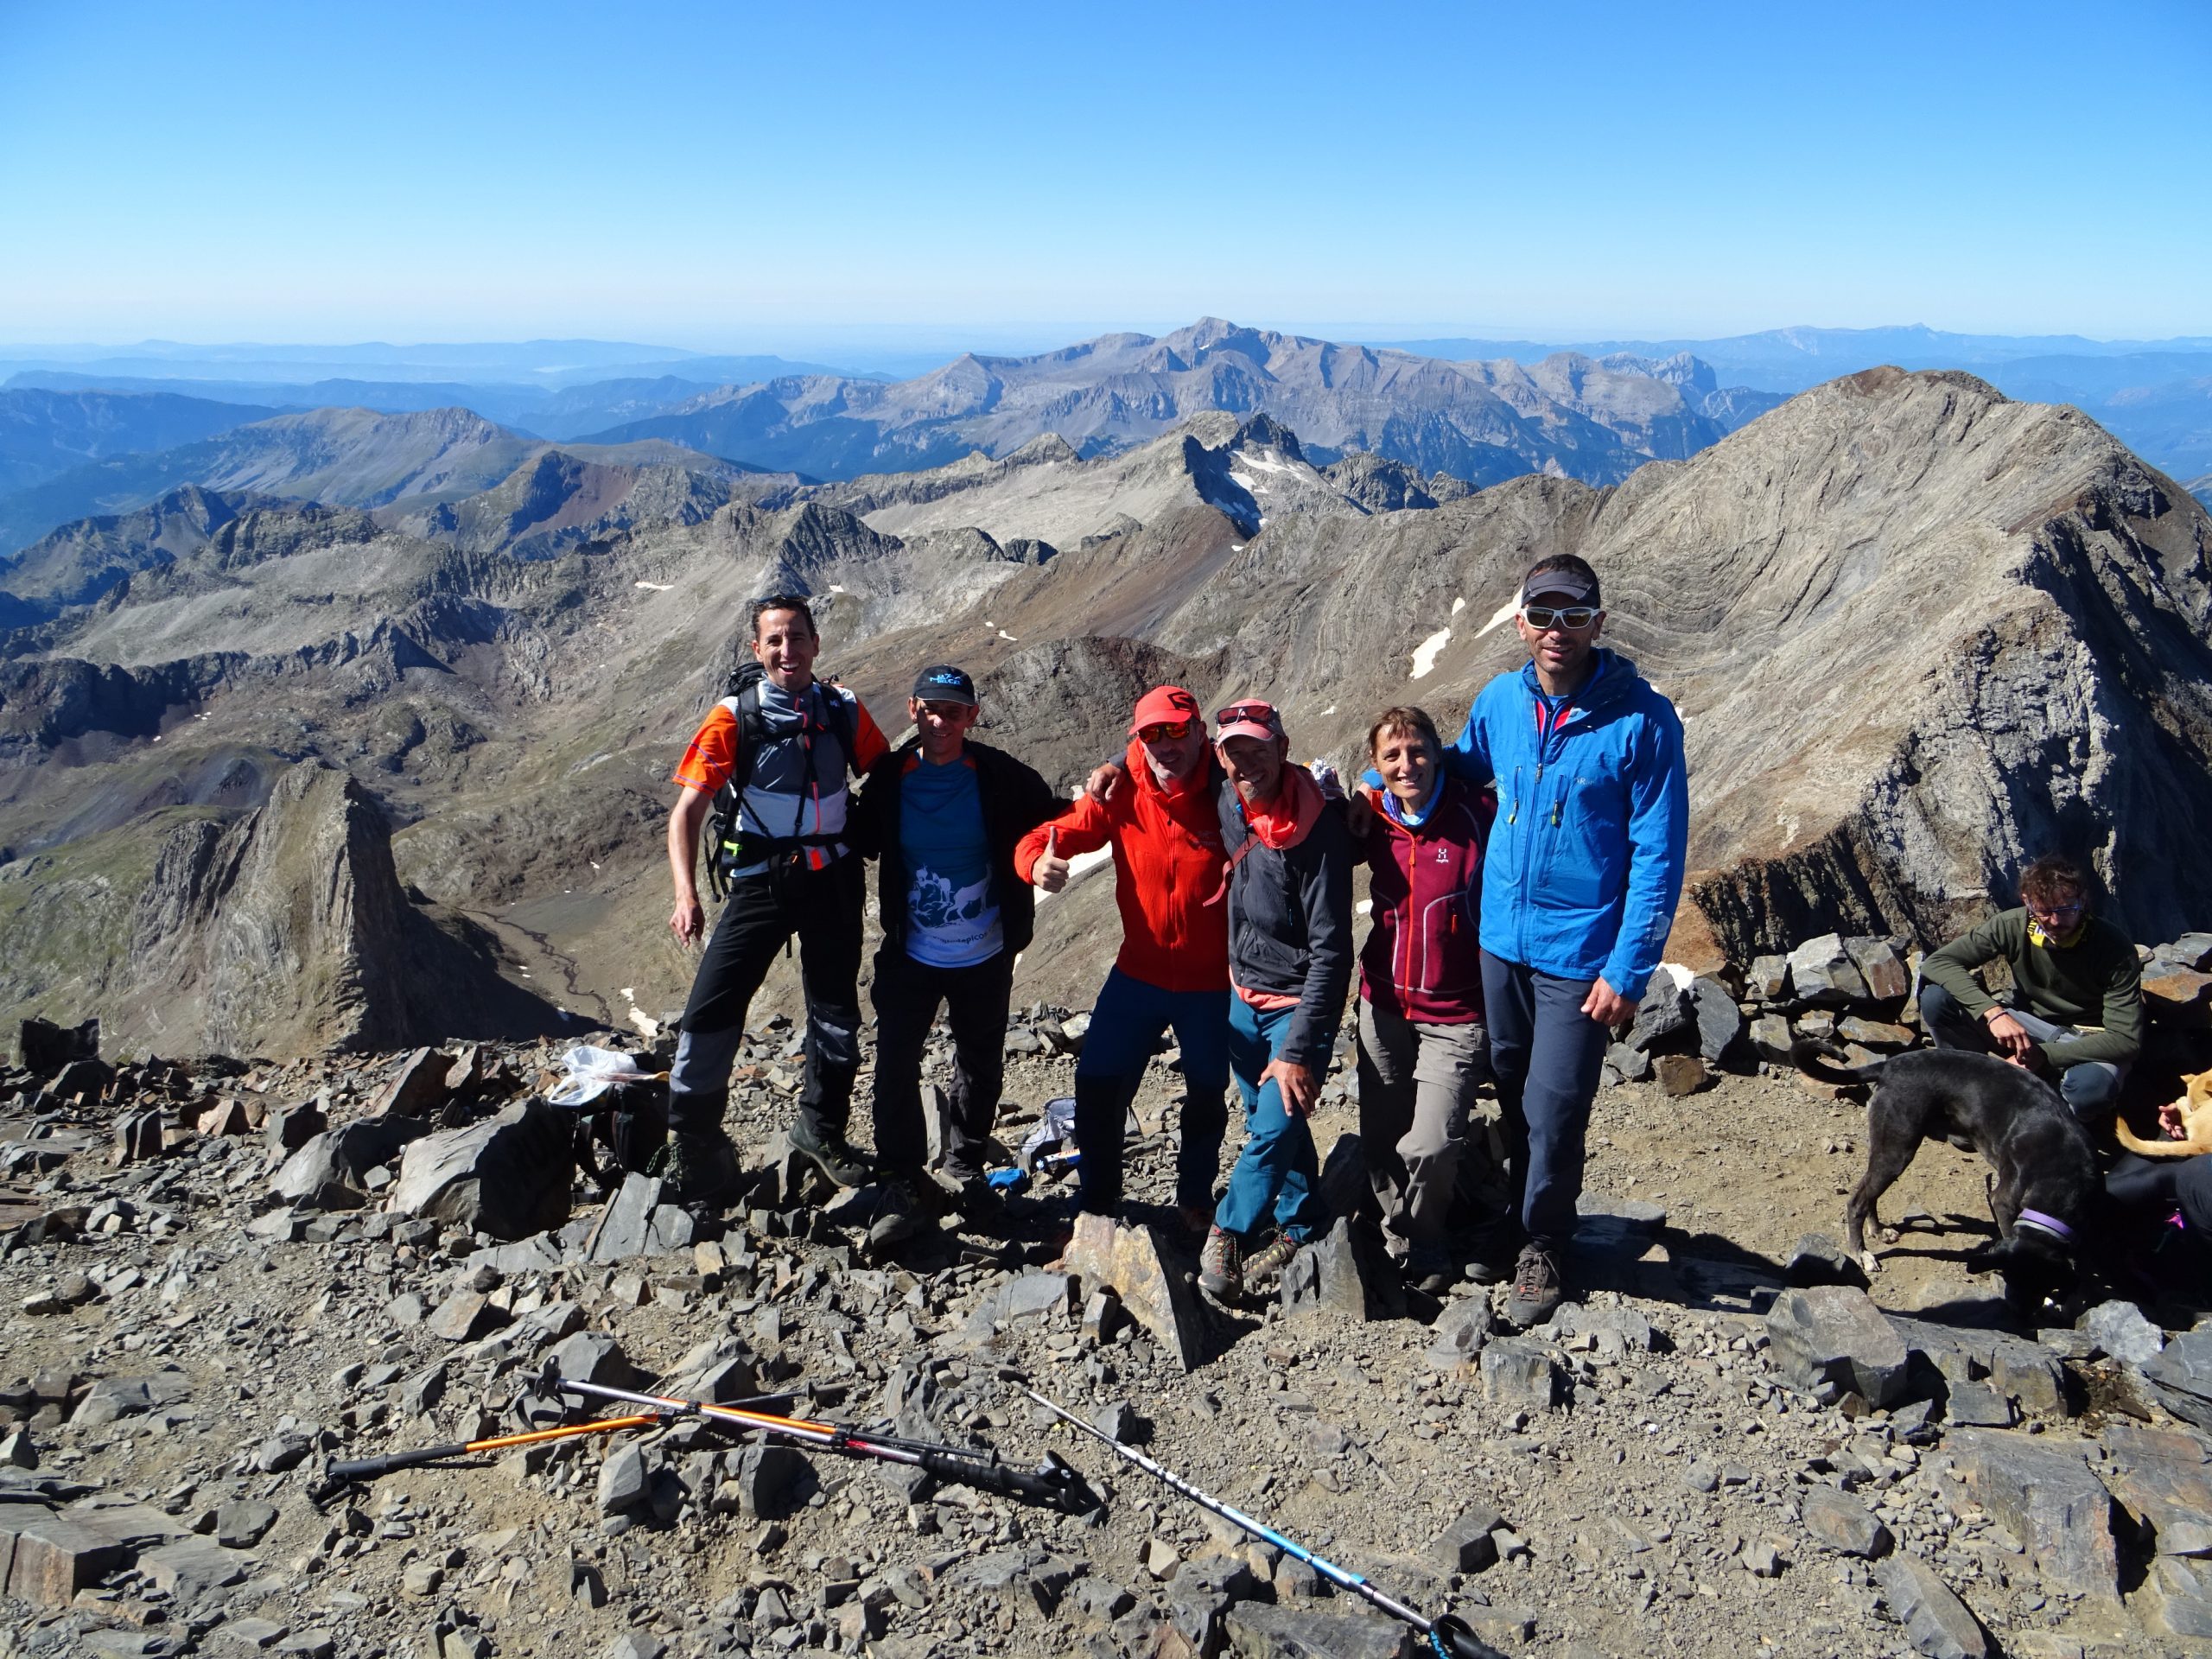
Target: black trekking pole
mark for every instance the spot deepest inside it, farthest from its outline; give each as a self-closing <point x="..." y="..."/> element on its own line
<point x="1054" y="1482"/>
<point x="340" y="1475"/>
<point x="1448" y="1635"/>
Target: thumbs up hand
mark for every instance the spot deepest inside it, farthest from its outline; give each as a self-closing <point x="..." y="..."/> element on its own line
<point x="1050" y="872"/>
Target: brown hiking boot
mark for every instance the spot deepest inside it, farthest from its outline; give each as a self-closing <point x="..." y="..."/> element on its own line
<point x="1536" y="1288"/>
<point x="1221" y="1265"/>
<point x="1265" y="1265"/>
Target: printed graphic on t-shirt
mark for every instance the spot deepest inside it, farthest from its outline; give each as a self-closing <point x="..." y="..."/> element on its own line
<point x="949" y="925"/>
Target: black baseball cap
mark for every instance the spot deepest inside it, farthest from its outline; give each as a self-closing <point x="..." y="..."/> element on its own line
<point x="944" y="683"/>
<point x="1571" y="585"/>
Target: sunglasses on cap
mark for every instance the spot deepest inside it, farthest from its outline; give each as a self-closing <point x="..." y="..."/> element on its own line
<point x="1165" y="731"/>
<point x="1559" y="616"/>
<point x="1259" y="713"/>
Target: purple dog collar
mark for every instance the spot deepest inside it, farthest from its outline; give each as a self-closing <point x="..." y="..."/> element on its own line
<point x="2050" y="1224"/>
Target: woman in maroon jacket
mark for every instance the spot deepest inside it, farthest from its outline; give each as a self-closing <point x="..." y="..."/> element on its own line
<point x="1422" y="1049"/>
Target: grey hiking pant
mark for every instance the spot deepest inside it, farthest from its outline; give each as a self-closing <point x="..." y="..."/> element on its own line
<point x="1416" y="1084"/>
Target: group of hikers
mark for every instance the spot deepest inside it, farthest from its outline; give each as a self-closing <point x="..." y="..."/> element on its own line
<point x="1523" y="878"/>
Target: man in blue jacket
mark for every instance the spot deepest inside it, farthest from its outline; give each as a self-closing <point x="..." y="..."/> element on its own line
<point x="1579" y="884"/>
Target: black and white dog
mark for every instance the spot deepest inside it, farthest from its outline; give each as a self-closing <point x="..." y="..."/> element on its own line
<point x="2046" y="1181"/>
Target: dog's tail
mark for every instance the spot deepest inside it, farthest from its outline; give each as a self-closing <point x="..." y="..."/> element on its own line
<point x="1806" y="1055"/>
<point x="2155" y="1149"/>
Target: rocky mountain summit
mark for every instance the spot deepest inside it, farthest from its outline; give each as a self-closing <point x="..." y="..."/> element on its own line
<point x="225" y="1276"/>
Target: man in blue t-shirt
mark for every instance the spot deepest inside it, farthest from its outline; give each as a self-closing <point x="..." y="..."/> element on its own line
<point x="941" y="815"/>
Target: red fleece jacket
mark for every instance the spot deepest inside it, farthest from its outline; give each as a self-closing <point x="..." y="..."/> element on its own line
<point x="1168" y="861"/>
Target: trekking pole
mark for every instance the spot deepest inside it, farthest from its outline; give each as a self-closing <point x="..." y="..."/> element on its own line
<point x="1054" y="1482"/>
<point x="366" y="1469"/>
<point x="1448" y="1635"/>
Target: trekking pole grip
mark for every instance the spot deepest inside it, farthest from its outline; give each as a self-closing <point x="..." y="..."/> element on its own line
<point x="372" y="1468"/>
<point x="993" y="1476"/>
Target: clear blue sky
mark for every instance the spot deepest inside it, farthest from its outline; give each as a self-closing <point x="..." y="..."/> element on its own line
<point x="735" y="176"/>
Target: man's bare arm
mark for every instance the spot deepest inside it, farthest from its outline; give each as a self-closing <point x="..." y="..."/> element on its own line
<point x="686" y="921"/>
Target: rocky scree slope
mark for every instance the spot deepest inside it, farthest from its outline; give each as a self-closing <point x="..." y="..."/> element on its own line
<point x="223" y="1276"/>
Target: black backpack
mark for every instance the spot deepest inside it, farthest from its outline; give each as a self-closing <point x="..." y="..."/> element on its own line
<point x="727" y="849"/>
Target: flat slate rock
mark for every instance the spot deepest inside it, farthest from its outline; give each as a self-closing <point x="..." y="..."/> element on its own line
<point x="1936" y="1622"/>
<point x="1257" y="1630"/>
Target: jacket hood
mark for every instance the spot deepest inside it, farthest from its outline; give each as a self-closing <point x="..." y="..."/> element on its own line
<point x="1613" y="676"/>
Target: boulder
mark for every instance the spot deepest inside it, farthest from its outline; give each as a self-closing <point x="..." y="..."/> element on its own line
<point x="330" y="1170"/>
<point x="1822" y="973"/>
<point x="626" y="1226"/>
<point x="1719" y="1021"/>
<point x="1466" y="1546"/>
<point x="2120" y="1329"/>
<point x="508" y="1176"/>
<point x="1259" y="1630"/>
<point x="45" y="1049"/>
<point x="1935" y="1621"/>
<point x="1770" y="1038"/>
<point x="1816" y="1259"/>
<point x="1881" y="968"/>
<point x="2182" y="1377"/>
<point x="48" y="1558"/>
<point x="1681" y="1075"/>
<point x="1878" y="1035"/>
<point x="417" y="1088"/>
<point x="2179" y="996"/>
<point x="2162" y="1478"/>
<point x="1347" y="1272"/>
<point x="1768" y="981"/>
<point x="1667" y="1009"/>
<point x="1461" y="1332"/>
<point x="1516" y="1372"/>
<point x="1843" y="1524"/>
<point x="1128" y="1261"/>
<point x="1833" y="1336"/>
<point x="2045" y="1495"/>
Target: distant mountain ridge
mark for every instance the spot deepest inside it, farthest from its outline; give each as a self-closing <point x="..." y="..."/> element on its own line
<point x="342" y="457"/>
<point x="1596" y="421"/>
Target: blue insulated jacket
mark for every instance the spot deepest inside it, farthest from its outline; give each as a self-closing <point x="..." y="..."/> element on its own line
<point x="1585" y="864"/>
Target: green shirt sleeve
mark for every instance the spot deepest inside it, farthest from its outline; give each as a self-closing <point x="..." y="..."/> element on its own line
<point x="1953" y="966"/>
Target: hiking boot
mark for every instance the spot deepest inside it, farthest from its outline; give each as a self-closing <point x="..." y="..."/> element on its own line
<point x="970" y="1193"/>
<point x="1221" y="1265"/>
<point x="905" y="1200"/>
<point x="832" y="1154"/>
<point x="1430" y="1269"/>
<point x="1536" y="1288"/>
<point x="1265" y="1265"/>
<point x="700" y="1169"/>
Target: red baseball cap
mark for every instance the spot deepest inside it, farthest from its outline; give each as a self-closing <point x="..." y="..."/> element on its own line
<point x="1163" y="705"/>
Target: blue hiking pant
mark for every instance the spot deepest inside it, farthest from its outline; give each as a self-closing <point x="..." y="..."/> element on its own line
<point x="1126" y="1025"/>
<point x="1276" y="1174"/>
<point x="1544" y="1054"/>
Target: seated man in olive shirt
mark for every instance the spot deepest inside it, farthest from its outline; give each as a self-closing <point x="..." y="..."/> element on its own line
<point x="2075" y="1011"/>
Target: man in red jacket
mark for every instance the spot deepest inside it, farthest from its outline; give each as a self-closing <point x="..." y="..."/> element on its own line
<point x="1172" y="971"/>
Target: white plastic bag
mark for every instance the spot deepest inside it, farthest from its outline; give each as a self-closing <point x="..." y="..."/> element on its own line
<point x="591" y="1072"/>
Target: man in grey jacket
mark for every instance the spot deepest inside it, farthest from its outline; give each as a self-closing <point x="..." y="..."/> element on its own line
<point x="1288" y="889"/>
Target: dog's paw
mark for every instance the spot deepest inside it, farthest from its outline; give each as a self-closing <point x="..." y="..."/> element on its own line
<point x="1888" y="1234"/>
<point x="1871" y="1262"/>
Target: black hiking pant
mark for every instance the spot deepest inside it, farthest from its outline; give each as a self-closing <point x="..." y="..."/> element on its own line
<point x="976" y="999"/>
<point x="1544" y="1054"/>
<point x="822" y="909"/>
